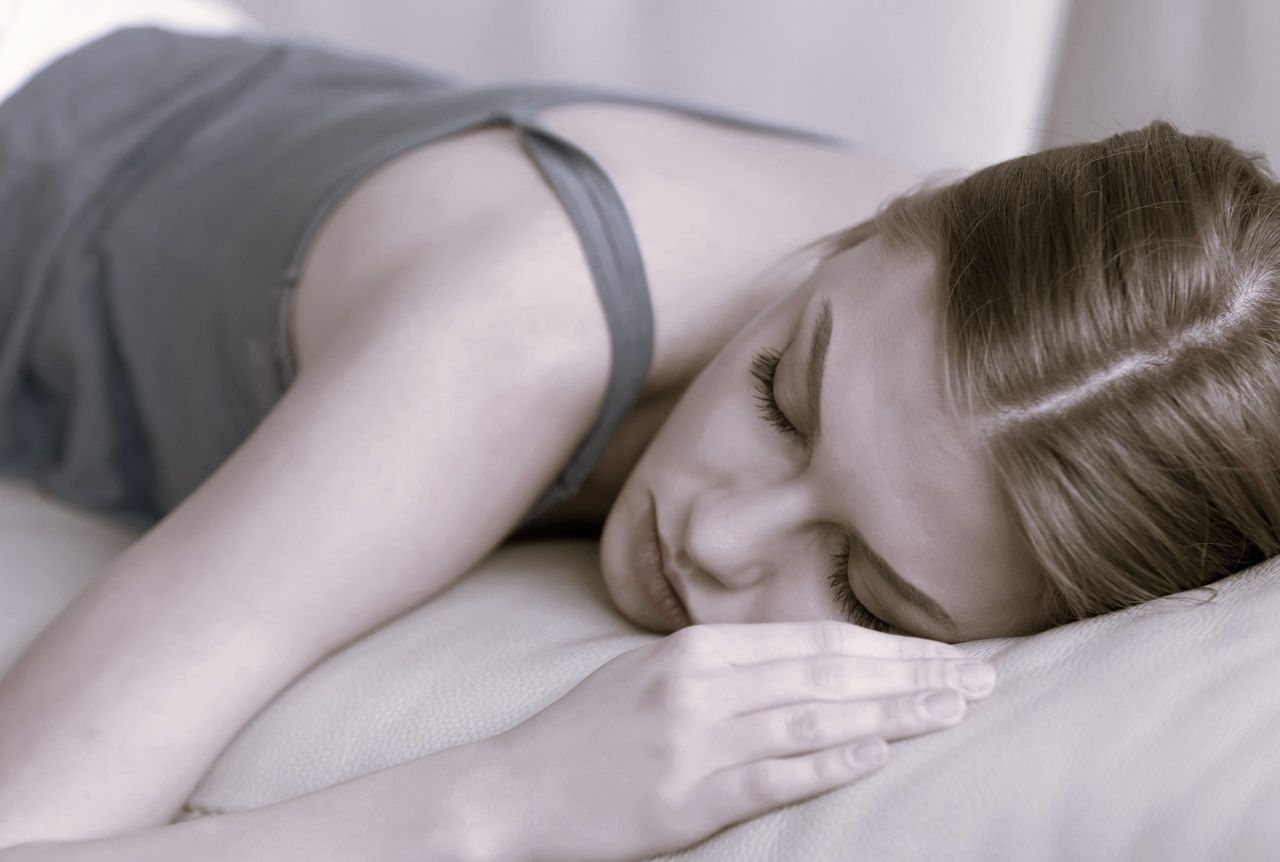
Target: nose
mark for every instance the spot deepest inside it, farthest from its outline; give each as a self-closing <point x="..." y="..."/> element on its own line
<point x="739" y="535"/>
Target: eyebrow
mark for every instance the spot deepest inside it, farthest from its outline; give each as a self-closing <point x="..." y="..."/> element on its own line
<point x="817" y="365"/>
<point x="905" y="590"/>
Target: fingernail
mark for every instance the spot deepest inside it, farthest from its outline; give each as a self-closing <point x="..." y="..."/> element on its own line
<point x="975" y="678"/>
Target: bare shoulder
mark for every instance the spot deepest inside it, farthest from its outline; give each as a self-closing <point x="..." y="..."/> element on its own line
<point x="712" y="159"/>
<point x="712" y="206"/>
<point x="446" y="217"/>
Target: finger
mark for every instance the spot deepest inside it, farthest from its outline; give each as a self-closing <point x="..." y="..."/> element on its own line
<point x="736" y="644"/>
<point x="752" y="789"/>
<point x="808" y="727"/>
<point x="742" y="690"/>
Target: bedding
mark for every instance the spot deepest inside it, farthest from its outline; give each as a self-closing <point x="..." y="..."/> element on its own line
<point x="1150" y="733"/>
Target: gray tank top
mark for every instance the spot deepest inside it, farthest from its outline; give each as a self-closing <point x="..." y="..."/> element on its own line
<point x="160" y="191"/>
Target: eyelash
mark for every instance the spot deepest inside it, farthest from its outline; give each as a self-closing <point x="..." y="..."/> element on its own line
<point x="764" y="365"/>
<point x="855" y="611"/>
<point x="763" y="368"/>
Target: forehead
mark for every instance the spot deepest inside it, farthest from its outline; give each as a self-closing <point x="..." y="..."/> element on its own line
<point x="912" y="476"/>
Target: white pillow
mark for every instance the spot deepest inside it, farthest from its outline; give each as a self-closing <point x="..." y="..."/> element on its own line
<point x="1149" y="733"/>
<point x="1146" y="734"/>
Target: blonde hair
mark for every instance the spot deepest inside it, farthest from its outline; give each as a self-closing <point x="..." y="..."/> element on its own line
<point x="1110" y="327"/>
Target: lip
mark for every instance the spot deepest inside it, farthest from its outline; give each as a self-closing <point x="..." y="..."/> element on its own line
<point x="659" y="586"/>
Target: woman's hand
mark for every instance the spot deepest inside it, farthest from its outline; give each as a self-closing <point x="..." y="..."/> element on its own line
<point x="667" y="744"/>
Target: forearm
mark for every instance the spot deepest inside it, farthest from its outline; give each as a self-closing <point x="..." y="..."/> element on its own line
<point x="330" y="519"/>
<point x="456" y="804"/>
<point x="113" y="714"/>
<point x="204" y="840"/>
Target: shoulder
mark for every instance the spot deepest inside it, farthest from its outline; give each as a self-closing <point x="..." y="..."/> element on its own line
<point x="712" y="206"/>
<point x="460" y="226"/>
<point x="665" y="157"/>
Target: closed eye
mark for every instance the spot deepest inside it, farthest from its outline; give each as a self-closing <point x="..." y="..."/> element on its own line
<point x="764" y="368"/>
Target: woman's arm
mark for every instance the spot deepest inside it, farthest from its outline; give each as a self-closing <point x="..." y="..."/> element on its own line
<point x="457" y="804"/>
<point x="658" y="749"/>
<point x="399" y="458"/>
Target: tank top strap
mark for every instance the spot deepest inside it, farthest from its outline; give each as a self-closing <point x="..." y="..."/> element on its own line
<point x="617" y="270"/>
<point x="608" y="239"/>
<point x="524" y="100"/>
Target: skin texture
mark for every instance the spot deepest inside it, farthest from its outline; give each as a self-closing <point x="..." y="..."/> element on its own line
<point x="750" y="519"/>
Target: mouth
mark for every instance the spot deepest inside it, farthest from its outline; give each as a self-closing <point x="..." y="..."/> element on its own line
<point x="658" y="585"/>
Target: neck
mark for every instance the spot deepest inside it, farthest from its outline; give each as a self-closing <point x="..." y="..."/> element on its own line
<point x="585" y="512"/>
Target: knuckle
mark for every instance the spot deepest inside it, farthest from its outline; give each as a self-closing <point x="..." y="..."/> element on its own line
<point x="828" y="673"/>
<point x="674" y="695"/>
<point x="693" y="645"/>
<point x="831" y="636"/>
<point x="761" y="783"/>
<point x="931" y="673"/>
<point x="681" y="641"/>
<point x="916" y="650"/>
<point x="803" y="725"/>
<point x="908" y="711"/>
<point x="829" y="766"/>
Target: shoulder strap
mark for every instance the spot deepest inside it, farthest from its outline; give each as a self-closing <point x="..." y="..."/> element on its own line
<point x="617" y="268"/>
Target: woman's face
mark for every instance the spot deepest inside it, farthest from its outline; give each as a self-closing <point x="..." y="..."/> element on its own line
<point x="755" y="508"/>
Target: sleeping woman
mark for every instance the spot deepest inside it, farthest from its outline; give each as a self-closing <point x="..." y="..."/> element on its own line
<point x="332" y="329"/>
